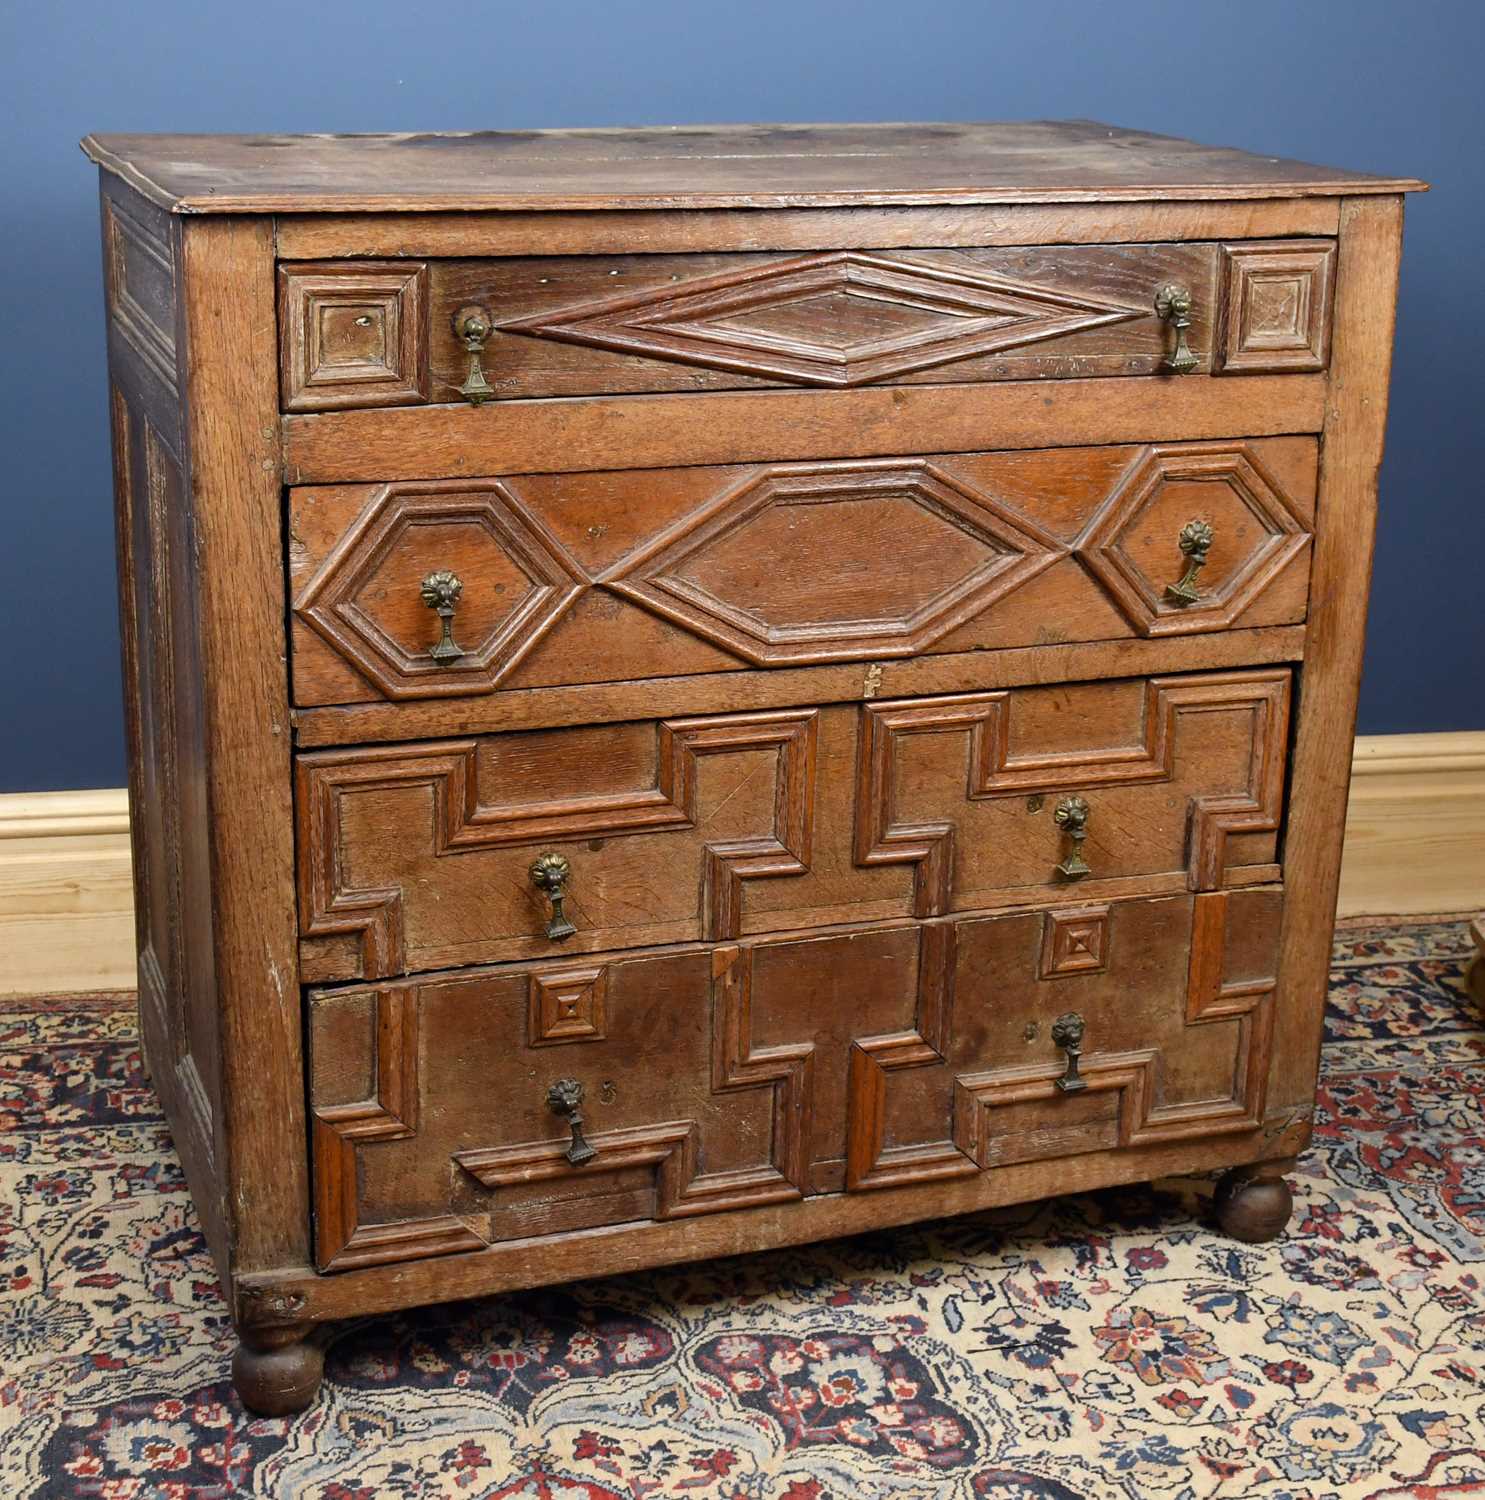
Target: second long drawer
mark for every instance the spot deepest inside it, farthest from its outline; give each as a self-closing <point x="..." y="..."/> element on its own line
<point x="466" y="587"/>
<point x="535" y="844"/>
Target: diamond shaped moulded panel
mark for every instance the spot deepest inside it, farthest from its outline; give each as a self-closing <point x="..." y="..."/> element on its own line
<point x="837" y="562"/>
<point x="366" y="599"/>
<point x="840" y="319"/>
<point x="1132" y="545"/>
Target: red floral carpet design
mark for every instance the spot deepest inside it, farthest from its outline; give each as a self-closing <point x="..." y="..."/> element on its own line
<point x="1104" y="1347"/>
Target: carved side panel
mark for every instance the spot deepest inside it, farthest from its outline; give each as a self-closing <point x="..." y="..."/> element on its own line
<point x="160" y="632"/>
<point x="1276" y="306"/>
<point x="139" y="281"/>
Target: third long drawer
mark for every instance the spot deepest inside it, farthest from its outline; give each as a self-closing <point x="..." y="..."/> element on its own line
<point x="482" y="849"/>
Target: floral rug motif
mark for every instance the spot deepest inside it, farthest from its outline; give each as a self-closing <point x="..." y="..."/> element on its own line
<point x="1110" y="1346"/>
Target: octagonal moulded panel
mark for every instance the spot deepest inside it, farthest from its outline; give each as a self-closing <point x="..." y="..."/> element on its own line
<point x="366" y="600"/>
<point x="836" y="562"/>
<point x="1132" y="546"/>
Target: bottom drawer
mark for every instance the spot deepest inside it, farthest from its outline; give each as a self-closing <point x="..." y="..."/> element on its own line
<point x="458" y="1110"/>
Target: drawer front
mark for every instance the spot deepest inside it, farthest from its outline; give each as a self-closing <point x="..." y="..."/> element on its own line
<point x="424" y="856"/>
<point x="701" y="1079"/>
<point x="383" y="333"/>
<point x="461" y="587"/>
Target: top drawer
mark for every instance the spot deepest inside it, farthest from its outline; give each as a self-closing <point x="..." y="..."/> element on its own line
<point x="366" y="333"/>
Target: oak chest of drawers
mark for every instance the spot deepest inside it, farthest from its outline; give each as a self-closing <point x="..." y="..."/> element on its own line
<point x="702" y="689"/>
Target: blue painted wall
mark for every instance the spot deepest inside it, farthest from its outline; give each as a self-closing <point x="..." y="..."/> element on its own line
<point x="1369" y="84"/>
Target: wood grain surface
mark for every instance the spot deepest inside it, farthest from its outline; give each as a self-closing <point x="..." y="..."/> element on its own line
<point x="629" y="575"/>
<point x="677" y="231"/>
<point x="703" y="166"/>
<point x="655" y="431"/>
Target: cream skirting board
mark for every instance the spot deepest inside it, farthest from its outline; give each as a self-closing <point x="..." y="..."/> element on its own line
<point x="1415" y="842"/>
<point x="66" y="901"/>
<point x="1415" y="830"/>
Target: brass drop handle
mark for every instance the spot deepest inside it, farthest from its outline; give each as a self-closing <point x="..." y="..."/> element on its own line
<point x="551" y="873"/>
<point x="473" y="325"/>
<point x="1067" y="1033"/>
<point x="565" y="1098"/>
<point x="1194" y="541"/>
<point x="1173" y="305"/>
<point x="441" y="592"/>
<point x="1071" y="816"/>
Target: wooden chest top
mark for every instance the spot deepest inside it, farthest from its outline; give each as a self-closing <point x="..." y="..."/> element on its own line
<point x="704" y="166"/>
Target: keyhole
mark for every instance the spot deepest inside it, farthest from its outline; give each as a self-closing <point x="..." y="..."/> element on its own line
<point x="608" y="1091"/>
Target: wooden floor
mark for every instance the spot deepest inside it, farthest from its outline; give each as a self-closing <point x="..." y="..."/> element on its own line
<point x="1415" y="843"/>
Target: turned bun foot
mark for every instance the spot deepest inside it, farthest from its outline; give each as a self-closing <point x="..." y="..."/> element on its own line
<point x="277" y="1371"/>
<point x="1253" y="1203"/>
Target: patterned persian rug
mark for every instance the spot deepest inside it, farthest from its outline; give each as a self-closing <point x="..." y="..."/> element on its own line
<point x="1110" y="1345"/>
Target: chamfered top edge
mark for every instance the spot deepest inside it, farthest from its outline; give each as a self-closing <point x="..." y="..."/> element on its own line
<point x="704" y="167"/>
